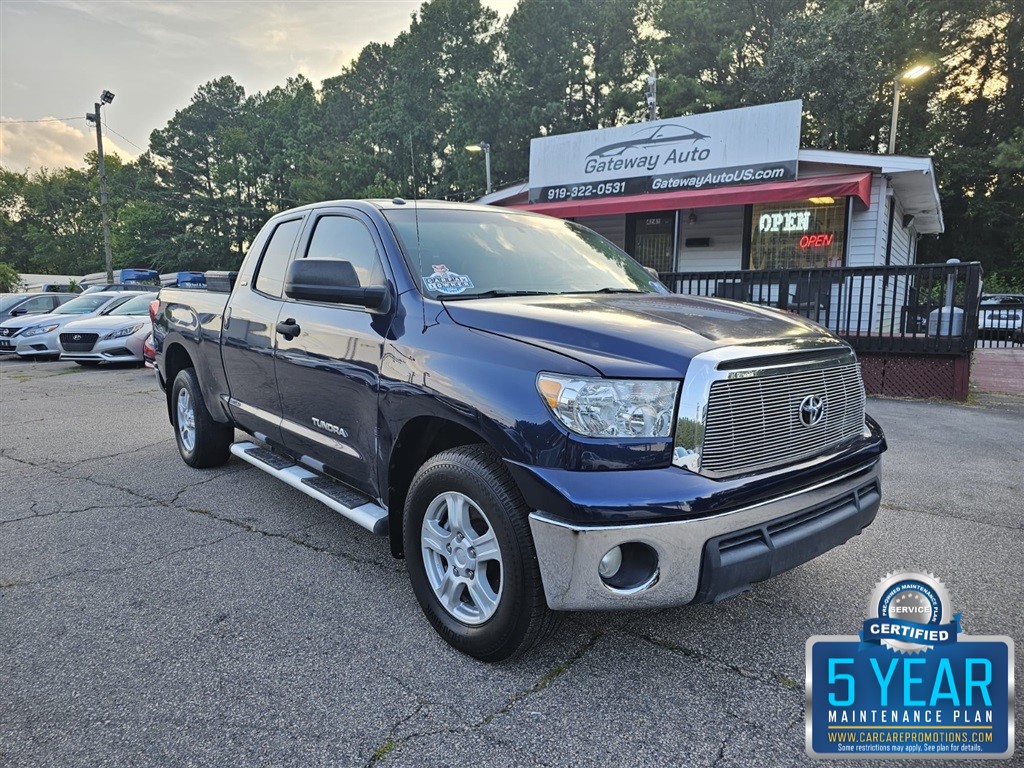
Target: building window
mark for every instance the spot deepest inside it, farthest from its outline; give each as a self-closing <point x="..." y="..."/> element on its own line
<point x="798" y="234"/>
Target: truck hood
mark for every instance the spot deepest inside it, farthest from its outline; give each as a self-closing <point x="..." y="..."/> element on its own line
<point x="646" y="335"/>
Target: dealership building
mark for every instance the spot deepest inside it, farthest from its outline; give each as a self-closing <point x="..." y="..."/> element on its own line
<point x="732" y="190"/>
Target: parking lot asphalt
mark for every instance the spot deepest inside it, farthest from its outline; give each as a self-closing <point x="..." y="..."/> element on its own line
<point x="153" y="614"/>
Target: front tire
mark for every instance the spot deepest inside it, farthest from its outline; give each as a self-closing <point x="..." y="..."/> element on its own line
<point x="471" y="558"/>
<point x="202" y="442"/>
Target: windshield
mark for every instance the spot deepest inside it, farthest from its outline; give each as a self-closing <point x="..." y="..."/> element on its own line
<point x="137" y="306"/>
<point x="8" y="301"/>
<point x="83" y="305"/>
<point x="988" y="301"/>
<point x="466" y="254"/>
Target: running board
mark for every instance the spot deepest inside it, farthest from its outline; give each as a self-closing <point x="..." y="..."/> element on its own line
<point x="335" y="495"/>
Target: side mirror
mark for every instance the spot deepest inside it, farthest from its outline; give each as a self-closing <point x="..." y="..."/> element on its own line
<point x="333" y="281"/>
<point x="18" y="312"/>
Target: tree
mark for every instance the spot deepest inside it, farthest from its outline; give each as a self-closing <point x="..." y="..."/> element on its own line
<point x="9" y="278"/>
<point x="13" y="228"/>
<point x="708" y="53"/>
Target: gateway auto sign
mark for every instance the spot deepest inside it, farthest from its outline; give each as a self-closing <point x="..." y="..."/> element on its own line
<point x="739" y="146"/>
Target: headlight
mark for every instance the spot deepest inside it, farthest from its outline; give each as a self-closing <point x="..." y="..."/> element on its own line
<point x="122" y="332"/>
<point x="39" y="330"/>
<point x="611" y="407"/>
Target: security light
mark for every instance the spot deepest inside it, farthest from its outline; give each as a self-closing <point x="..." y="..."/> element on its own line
<point x="106" y="97"/>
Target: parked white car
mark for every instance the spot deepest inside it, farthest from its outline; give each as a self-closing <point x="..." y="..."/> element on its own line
<point x="1002" y="315"/>
<point x="114" y="336"/>
<point x="36" y="336"/>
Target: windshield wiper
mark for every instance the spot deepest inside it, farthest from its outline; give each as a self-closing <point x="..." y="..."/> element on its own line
<point x="491" y="294"/>
<point x="607" y="290"/>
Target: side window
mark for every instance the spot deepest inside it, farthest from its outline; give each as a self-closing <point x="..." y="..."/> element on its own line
<point x="270" y="278"/>
<point x="35" y="306"/>
<point x="344" y="238"/>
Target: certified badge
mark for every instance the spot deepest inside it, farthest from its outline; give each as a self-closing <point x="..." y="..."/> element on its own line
<point x="909" y="612"/>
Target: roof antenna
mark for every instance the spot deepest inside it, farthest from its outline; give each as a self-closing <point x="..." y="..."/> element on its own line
<point x="419" y="248"/>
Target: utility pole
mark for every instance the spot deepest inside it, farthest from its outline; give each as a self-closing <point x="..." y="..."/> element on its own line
<point x="652" y="94"/>
<point x="105" y="98"/>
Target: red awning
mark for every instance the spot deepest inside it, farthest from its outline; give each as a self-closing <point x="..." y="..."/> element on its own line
<point x="855" y="184"/>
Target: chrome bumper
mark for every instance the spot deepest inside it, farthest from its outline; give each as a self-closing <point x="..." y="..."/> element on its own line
<point x="569" y="555"/>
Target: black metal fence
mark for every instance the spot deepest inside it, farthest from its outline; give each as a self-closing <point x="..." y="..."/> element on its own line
<point x="1001" y="321"/>
<point x="918" y="308"/>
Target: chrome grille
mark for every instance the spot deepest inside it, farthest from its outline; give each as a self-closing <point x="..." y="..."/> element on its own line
<point x="754" y="423"/>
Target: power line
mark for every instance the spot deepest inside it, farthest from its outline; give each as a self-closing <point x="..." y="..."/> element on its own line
<point x="121" y="135"/>
<point x="42" y="120"/>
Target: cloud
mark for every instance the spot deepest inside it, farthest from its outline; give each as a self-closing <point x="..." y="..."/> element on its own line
<point x="155" y="54"/>
<point x="30" y="146"/>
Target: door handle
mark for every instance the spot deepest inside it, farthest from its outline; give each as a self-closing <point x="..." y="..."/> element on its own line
<point x="289" y="329"/>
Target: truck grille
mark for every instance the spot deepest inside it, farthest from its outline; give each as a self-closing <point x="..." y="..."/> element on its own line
<point x="78" y="342"/>
<point x="755" y="423"/>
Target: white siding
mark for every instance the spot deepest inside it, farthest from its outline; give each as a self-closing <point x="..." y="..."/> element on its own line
<point x="725" y="228"/>
<point x="901" y="238"/>
<point x="867" y="229"/>
<point x="611" y="227"/>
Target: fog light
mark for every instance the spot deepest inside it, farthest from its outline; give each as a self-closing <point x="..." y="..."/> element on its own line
<point x="610" y="563"/>
<point x="629" y="568"/>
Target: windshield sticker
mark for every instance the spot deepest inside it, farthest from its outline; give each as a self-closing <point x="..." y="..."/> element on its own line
<point x="445" y="281"/>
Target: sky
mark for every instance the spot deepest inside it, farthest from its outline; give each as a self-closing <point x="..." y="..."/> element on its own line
<point x="56" y="56"/>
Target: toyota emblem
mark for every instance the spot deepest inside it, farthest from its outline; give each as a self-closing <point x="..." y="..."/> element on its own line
<point x="812" y="410"/>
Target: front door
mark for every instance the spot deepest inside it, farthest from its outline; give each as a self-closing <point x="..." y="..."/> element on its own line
<point x="328" y="374"/>
<point x="653" y="240"/>
<point x="249" y="336"/>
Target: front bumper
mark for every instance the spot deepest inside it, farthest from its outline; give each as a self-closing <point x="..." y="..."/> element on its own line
<point x="32" y="346"/>
<point x="125" y="349"/>
<point x="709" y="558"/>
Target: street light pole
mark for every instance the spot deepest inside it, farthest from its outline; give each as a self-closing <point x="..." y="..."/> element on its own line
<point x="911" y="74"/>
<point x="487" y="165"/>
<point x="104" y="98"/>
<point x="103" y="195"/>
<point x="895" y="115"/>
<point x="484" y="147"/>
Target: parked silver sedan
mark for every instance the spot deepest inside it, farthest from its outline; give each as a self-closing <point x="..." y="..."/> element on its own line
<point x="36" y="335"/>
<point x="114" y="336"/>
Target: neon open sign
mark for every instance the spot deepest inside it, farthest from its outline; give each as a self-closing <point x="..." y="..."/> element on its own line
<point x="785" y="221"/>
<point x="817" y="241"/>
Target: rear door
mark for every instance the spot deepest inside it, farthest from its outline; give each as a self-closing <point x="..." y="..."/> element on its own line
<point x="328" y="375"/>
<point x="249" y="334"/>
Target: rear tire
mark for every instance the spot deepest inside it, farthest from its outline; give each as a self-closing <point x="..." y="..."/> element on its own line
<point x="202" y="442"/>
<point x="472" y="564"/>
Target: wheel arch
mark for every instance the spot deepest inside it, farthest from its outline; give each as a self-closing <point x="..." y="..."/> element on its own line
<point x="419" y="438"/>
<point x="176" y="359"/>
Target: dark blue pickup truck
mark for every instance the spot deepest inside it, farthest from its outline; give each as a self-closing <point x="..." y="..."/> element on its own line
<point x="530" y="416"/>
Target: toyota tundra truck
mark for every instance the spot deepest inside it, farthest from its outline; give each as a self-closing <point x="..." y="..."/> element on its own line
<point x="528" y="415"/>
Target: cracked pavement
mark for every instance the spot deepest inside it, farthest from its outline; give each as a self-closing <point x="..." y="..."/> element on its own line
<point x="154" y="614"/>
